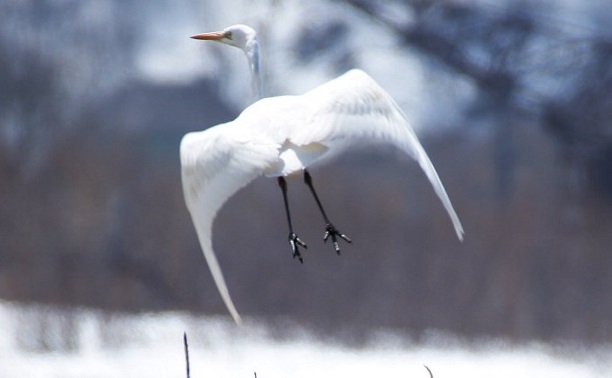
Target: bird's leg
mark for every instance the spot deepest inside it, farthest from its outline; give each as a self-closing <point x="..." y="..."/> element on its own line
<point x="330" y="230"/>
<point x="294" y="240"/>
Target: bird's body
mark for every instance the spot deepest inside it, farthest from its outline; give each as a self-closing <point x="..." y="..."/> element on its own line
<point x="300" y="130"/>
<point x="279" y="136"/>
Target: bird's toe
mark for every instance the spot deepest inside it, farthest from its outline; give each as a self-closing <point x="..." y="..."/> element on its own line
<point x="296" y="243"/>
<point x="334" y="233"/>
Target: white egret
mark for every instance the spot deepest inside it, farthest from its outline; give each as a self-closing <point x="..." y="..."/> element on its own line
<point x="281" y="136"/>
<point x="245" y="38"/>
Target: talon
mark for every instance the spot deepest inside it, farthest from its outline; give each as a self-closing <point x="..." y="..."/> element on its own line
<point x="296" y="242"/>
<point x="330" y="230"/>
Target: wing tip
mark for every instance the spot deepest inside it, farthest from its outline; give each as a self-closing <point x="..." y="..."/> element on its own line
<point x="221" y="286"/>
<point x="232" y="310"/>
<point x="456" y="223"/>
<point x="460" y="233"/>
<point x="237" y="318"/>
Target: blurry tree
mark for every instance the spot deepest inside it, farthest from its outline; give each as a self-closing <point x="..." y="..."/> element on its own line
<point x="29" y="105"/>
<point x="92" y="211"/>
<point x="579" y="119"/>
<point x="54" y="71"/>
<point x="525" y="64"/>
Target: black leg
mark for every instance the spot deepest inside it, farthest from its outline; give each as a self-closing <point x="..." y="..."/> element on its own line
<point x="294" y="240"/>
<point x="330" y="230"/>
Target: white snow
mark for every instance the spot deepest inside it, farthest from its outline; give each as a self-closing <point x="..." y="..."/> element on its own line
<point x="39" y="341"/>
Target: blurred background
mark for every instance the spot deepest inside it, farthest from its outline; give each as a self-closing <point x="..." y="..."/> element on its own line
<point x="511" y="99"/>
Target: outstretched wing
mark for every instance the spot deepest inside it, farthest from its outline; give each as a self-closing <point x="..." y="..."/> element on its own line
<point x="353" y="108"/>
<point x="214" y="166"/>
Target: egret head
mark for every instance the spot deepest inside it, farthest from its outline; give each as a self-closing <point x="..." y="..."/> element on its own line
<point x="241" y="36"/>
<point x="245" y="38"/>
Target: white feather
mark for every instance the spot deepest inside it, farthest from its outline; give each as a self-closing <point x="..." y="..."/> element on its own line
<point x="279" y="136"/>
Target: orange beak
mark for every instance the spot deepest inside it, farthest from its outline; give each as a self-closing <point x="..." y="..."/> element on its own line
<point x="212" y="36"/>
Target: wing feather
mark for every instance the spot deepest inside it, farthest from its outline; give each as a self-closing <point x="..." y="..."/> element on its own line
<point x="281" y="135"/>
<point x="214" y="166"/>
<point x="353" y="108"/>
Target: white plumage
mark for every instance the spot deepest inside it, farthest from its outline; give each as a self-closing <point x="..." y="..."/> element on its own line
<point x="278" y="136"/>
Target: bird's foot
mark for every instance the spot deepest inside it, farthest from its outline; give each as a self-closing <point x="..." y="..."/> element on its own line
<point x="331" y="231"/>
<point x="296" y="243"/>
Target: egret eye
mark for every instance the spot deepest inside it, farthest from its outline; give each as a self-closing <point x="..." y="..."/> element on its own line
<point x="228" y="35"/>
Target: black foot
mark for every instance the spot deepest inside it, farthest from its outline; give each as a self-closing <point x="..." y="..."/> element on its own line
<point x="330" y="230"/>
<point x="295" y="244"/>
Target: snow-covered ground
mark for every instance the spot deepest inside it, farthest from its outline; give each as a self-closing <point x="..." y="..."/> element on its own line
<point x="38" y="341"/>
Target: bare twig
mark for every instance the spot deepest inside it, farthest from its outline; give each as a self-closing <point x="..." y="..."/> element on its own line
<point x="186" y="352"/>
<point x="429" y="371"/>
